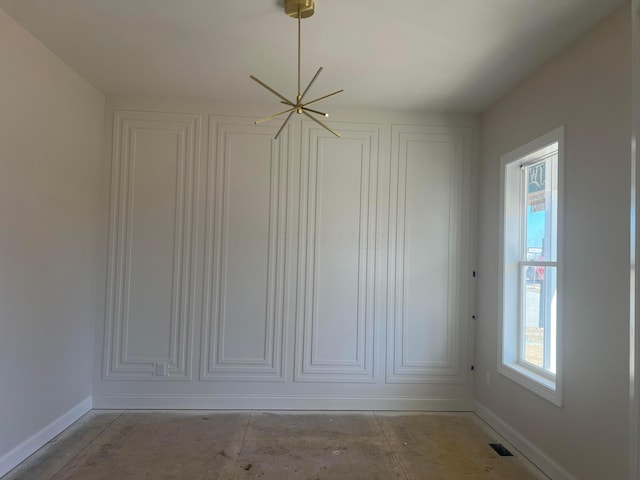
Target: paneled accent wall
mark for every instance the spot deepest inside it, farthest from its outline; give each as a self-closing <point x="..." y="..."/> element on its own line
<point x="336" y="291"/>
<point x="424" y="315"/>
<point x="150" y="271"/>
<point x="248" y="203"/>
<point x="305" y="272"/>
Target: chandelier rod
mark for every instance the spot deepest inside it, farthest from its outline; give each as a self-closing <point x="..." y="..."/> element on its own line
<point x="299" y="35"/>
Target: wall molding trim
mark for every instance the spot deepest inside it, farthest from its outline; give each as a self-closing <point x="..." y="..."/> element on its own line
<point x="36" y="441"/>
<point x="130" y="128"/>
<point x="528" y="449"/>
<point x="451" y="162"/>
<point x="226" y="134"/>
<point x="283" y="290"/>
<point x="272" y="402"/>
<point x="326" y="234"/>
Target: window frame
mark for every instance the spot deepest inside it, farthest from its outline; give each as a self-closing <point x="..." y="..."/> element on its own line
<point x="511" y="361"/>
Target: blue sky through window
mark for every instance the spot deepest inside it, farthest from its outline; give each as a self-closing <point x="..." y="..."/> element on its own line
<point x="535" y="228"/>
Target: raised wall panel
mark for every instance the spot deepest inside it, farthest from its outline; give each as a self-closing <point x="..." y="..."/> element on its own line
<point x="423" y="336"/>
<point x="150" y="284"/>
<point x="336" y="280"/>
<point x="247" y="209"/>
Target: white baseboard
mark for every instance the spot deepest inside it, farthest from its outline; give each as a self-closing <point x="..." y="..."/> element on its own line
<point x="248" y="402"/>
<point x="528" y="449"/>
<point x="23" y="451"/>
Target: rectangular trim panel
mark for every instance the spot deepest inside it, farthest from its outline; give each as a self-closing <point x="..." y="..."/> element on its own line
<point x="150" y="301"/>
<point x="423" y="309"/>
<point x="337" y="254"/>
<point x="245" y="308"/>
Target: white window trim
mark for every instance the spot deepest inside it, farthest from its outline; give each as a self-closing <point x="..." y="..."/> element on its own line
<point x="508" y="362"/>
<point x="634" y="326"/>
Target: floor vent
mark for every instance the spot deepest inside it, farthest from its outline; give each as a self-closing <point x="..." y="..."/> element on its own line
<point x="501" y="450"/>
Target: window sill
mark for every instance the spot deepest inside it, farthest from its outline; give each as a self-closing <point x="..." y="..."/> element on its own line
<point x="541" y="386"/>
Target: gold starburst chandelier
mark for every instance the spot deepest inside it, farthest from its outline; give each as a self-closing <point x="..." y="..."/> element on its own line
<point x="298" y="9"/>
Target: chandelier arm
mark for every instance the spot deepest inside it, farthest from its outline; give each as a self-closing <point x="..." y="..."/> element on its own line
<point x="320" y="123"/>
<point x="322" y="98"/>
<point x="310" y="83"/>
<point x="283" y="125"/>
<point x="286" y="100"/>
<point x="315" y="111"/>
<point x="262" y="120"/>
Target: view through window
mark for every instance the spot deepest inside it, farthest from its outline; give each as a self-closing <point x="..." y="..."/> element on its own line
<point x="530" y="319"/>
<point x="538" y="261"/>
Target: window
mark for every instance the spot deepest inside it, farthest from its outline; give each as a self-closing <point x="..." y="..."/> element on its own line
<point x="531" y="199"/>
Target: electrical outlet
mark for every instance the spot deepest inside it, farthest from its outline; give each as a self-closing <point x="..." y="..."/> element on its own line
<point x="161" y="369"/>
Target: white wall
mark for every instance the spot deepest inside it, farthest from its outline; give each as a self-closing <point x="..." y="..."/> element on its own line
<point x="309" y="272"/>
<point x="51" y="164"/>
<point x="587" y="89"/>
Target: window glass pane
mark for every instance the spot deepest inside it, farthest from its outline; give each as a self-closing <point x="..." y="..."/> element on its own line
<point x="539" y="207"/>
<point x="539" y="316"/>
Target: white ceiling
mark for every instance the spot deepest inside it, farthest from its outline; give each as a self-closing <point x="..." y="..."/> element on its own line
<point x="438" y="55"/>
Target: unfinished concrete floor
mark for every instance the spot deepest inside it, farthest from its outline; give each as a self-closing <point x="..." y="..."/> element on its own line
<point x="123" y="445"/>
